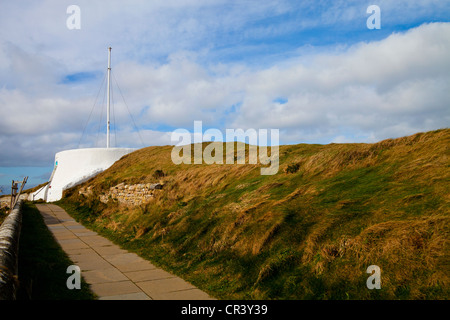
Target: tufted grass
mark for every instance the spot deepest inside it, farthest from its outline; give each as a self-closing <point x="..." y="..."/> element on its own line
<point x="308" y="233"/>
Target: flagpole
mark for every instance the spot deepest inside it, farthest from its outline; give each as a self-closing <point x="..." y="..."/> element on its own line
<point x="108" y="101"/>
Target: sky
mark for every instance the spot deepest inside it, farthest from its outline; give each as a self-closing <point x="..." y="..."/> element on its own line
<point x="311" y="69"/>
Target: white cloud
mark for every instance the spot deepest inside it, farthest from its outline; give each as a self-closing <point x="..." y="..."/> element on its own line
<point x="161" y="58"/>
<point x="370" y="87"/>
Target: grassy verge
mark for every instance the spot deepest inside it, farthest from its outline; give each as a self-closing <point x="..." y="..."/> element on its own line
<point x="43" y="264"/>
<point x="308" y="232"/>
<point x="3" y="214"/>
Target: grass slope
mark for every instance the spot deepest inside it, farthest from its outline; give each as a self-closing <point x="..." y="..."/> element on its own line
<point x="308" y="232"/>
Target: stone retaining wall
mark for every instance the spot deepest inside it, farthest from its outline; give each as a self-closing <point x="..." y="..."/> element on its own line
<point x="9" y="251"/>
<point x="132" y="195"/>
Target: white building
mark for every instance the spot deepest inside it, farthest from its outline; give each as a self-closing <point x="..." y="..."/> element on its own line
<point x="75" y="166"/>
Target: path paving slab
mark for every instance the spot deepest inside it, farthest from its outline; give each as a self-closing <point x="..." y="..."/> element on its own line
<point x="129" y="296"/>
<point x="66" y="235"/>
<point x="85" y="234"/>
<point x="115" y="288"/>
<point x="80" y="251"/>
<point x="164" y="285"/>
<point x="108" y="250"/>
<point x="135" y="266"/>
<point x="146" y="275"/>
<point x="72" y="244"/>
<point x="104" y="275"/>
<point x="191" y="294"/>
<point x="78" y="228"/>
<point x="114" y="273"/>
<point x="90" y="262"/>
<point x="95" y="240"/>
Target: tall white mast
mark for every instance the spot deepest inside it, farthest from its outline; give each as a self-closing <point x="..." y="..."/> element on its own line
<point x="108" y="101"/>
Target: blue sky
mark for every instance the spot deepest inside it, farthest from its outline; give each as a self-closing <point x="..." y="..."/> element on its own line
<point x="80" y="77"/>
<point x="311" y="69"/>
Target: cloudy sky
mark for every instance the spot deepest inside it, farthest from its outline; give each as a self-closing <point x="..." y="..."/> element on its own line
<point x="312" y="69"/>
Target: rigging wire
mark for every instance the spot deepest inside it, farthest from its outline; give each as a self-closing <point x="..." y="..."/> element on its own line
<point x="131" y="116"/>
<point x="113" y="113"/>
<point x="101" y="120"/>
<point x="114" y="117"/>
<point x="92" y="109"/>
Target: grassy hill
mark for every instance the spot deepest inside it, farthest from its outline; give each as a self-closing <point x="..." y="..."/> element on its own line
<point x="308" y="232"/>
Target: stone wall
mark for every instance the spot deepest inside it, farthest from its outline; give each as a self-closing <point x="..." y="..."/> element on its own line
<point x="131" y="195"/>
<point x="9" y="250"/>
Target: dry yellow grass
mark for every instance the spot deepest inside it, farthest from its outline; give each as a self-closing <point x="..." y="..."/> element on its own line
<point x="315" y="229"/>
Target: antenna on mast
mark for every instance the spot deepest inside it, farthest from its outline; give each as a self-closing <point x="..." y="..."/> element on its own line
<point x="108" y="100"/>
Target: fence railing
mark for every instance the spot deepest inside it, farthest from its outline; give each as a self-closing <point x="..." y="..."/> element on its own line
<point x="14" y="194"/>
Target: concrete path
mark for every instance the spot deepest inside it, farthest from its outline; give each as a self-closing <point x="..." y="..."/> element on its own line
<point x="114" y="273"/>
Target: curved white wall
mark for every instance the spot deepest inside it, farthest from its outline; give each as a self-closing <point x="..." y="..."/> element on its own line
<point x="75" y="166"/>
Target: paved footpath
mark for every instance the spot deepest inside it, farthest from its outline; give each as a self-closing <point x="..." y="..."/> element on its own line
<point x="114" y="273"/>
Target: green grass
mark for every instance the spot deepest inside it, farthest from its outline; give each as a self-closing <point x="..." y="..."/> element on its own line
<point x="43" y="264"/>
<point x="308" y="232"/>
<point x="3" y="215"/>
